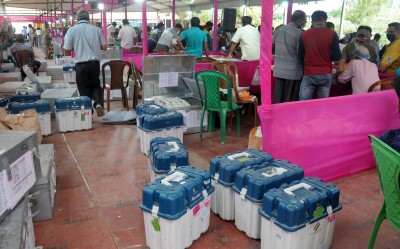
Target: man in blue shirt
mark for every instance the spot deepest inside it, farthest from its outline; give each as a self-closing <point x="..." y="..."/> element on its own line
<point x="87" y="41"/>
<point x="194" y="38"/>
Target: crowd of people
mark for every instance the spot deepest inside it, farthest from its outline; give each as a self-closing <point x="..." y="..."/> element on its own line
<point x="304" y="59"/>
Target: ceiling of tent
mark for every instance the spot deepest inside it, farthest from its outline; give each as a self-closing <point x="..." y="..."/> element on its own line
<point x="32" y="6"/>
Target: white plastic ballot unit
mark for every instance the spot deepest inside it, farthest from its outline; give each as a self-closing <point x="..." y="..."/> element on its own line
<point x="19" y="167"/>
<point x="162" y="125"/>
<point x="223" y="171"/>
<point x="42" y="193"/>
<point x="165" y="155"/>
<point x="42" y="108"/>
<point x="250" y="186"/>
<point x="16" y="231"/>
<point x="147" y="108"/>
<point x="299" y="215"/>
<point x="52" y="94"/>
<point x="176" y="208"/>
<point x="73" y="114"/>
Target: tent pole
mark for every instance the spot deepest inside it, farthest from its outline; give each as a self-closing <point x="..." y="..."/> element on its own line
<point x="72" y="13"/>
<point x="62" y="23"/>
<point x="144" y="29"/>
<point x="126" y="10"/>
<point x="104" y="24"/>
<point x="173" y="13"/>
<point x="215" y="26"/>
<point x="289" y="11"/>
<point x="342" y="18"/>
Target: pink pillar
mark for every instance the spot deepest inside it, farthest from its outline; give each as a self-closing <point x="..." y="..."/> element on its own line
<point x="62" y="23"/>
<point x="144" y="29"/>
<point x="215" y="27"/>
<point x="173" y="13"/>
<point x="72" y="13"/>
<point x="104" y="24"/>
<point x="55" y="20"/>
<point x="267" y="7"/>
<point x="289" y="10"/>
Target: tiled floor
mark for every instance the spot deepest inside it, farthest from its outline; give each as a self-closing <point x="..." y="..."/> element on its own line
<point x="101" y="172"/>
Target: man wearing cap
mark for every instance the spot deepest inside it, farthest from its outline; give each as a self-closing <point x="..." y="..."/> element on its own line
<point x="288" y="69"/>
<point x="391" y="57"/>
<point x="362" y="38"/>
<point x="317" y="48"/>
<point x="360" y="71"/>
<point x="87" y="41"/>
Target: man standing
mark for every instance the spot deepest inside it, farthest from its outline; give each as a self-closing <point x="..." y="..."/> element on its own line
<point x="194" y="38"/>
<point x="288" y="70"/>
<point x="391" y="57"/>
<point x="127" y="35"/>
<point x="87" y="41"/>
<point x="111" y="34"/>
<point x="168" y="38"/>
<point x="249" y="39"/>
<point x="155" y="36"/>
<point x="24" y="32"/>
<point x="32" y="35"/>
<point x="207" y="30"/>
<point x="318" y="47"/>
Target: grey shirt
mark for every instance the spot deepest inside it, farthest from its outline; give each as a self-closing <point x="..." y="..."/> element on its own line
<point x="86" y="40"/>
<point x="287" y="64"/>
<point x="168" y="37"/>
<point x="19" y="47"/>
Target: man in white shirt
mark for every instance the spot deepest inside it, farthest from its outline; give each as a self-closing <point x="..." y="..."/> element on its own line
<point x="249" y="39"/>
<point x="168" y="39"/>
<point x="111" y="34"/>
<point x="127" y="35"/>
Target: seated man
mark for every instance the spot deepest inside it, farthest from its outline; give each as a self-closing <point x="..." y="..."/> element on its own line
<point x="20" y="46"/>
<point x="360" y="71"/>
<point x="362" y="38"/>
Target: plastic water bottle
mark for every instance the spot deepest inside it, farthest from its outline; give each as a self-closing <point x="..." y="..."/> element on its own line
<point x="398" y="72"/>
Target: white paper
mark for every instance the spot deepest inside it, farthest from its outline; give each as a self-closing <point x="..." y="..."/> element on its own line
<point x="23" y="178"/>
<point x="117" y="93"/>
<point x="204" y="213"/>
<point x="168" y="79"/>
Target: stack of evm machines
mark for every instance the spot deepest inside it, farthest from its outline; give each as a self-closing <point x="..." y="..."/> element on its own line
<point x="156" y="121"/>
<point x="27" y="187"/>
<point x="72" y="113"/>
<point x="270" y="199"/>
<point x="165" y="155"/>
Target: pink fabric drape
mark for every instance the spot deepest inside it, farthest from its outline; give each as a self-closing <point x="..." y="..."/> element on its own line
<point x="62" y="22"/>
<point x="104" y="24"/>
<point x="329" y="137"/>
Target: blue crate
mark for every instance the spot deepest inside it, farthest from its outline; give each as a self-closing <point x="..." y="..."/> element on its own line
<point x="30" y="97"/>
<point x="41" y="106"/>
<point x="228" y="165"/>
<point x="166" y="154"/>
<point x="149" y="108"/>
<point x="73" y="103"/>
<point x="258" y="179"/>
<point x="309" y="201"/>
<point x="162" y="121"/>
<point x="176" y="192"/>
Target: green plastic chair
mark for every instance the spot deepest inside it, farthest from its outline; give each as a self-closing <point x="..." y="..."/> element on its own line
<point x="388" y="166"/>
<point x="212" y="101"/>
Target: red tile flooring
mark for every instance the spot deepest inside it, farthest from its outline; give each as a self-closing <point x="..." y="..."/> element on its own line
<point x="101" y="172"/>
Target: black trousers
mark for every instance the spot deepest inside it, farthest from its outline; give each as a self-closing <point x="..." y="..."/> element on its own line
<point x="286" y="90"/>
<point x="88" y="81"/>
